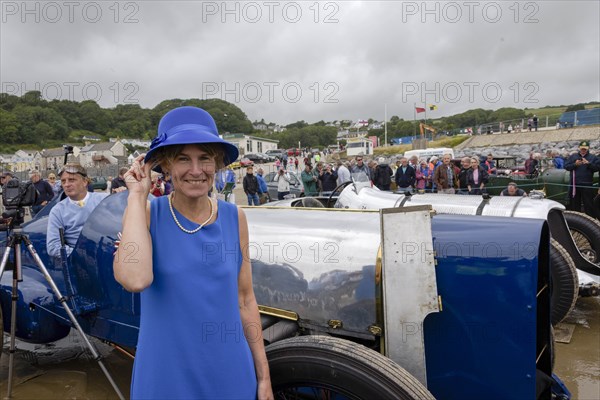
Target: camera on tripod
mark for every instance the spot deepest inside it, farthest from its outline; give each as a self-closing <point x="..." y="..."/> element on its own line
<point x="15" y="196"/>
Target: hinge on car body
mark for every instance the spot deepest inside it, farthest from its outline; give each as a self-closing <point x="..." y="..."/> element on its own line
<point x="375" y="330"/>
<point x="335" y="323"/>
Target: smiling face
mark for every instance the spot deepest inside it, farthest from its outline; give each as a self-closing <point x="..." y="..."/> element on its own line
<point x="192" y="172"/>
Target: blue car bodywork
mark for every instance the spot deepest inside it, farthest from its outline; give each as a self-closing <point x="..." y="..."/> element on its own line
<point x="492" y="338"/>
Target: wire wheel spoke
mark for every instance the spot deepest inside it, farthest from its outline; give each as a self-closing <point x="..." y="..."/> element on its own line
<point x="584" y="245"/>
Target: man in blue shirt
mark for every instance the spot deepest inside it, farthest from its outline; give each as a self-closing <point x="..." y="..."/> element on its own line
<point x="71" y="213"/>
<point x="263" y="190"/>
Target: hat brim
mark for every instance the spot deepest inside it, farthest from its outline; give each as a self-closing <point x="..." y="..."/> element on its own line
<point x="195" y="135"/>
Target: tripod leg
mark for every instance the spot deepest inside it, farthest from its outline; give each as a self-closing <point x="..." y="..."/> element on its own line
<point x="74" y="321"/>
<point x="9" y="245"/>
<point x="13" y="319"/>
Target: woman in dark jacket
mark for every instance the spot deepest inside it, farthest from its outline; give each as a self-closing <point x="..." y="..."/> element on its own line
<point x="328" y="179"/>
<point x="477" y="177"/>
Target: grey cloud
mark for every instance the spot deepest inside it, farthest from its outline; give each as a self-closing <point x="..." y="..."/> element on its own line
<point x="175" y="51"/>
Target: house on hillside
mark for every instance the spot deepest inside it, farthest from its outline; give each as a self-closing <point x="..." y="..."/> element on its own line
<point x="103" y="154"/>
<point x="251" y="144"/>
<point x="24" y="160"/>
<point x="133" y="156"/>
<point x="259" y="126"/>
<point x="53" y="159"/>
<point x="133" y="142"/>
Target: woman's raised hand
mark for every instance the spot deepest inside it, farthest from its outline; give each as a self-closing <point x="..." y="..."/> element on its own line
<point x="137" y="178"/>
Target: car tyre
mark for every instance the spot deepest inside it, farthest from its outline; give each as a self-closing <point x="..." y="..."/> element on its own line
<point x="564" y="282"/>
<point x="586" y="234"/>
<point x="314" y="366"/>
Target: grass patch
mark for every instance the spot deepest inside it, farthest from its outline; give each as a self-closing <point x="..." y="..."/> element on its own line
<point x="451" y="141"/>
<point x="389" y="151"/>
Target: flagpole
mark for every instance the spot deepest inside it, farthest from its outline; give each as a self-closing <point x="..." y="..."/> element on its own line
<point x="415" y="114"/>
<point x="385" y="124"/>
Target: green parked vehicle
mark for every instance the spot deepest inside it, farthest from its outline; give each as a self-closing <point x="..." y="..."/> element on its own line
<point x="554" y="183"/>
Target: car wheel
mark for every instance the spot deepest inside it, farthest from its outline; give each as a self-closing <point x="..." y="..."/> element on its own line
<point x="586" y="234"/>
<point x="564" y="281"/>
<point x="324" y="367"/>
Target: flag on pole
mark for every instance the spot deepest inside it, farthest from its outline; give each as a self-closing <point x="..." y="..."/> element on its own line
<point x="419" y="109"/>
<point x="432" y="107"/>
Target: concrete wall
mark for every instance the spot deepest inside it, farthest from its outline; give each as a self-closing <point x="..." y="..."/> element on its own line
<point x="591" y="133"/>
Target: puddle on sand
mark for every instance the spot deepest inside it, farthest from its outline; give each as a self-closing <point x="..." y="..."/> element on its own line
<point x="64" y="370"/>
<point x="578" y="362"/>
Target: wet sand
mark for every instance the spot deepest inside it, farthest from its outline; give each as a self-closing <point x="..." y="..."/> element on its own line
<point x="64" y="370"/>
<point x="578" y="362"/>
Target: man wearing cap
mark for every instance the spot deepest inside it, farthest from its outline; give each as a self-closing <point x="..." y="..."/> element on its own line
<point x="582" y="166"/>
<point x="71" y="213"/>
<point x="45" y="192"/>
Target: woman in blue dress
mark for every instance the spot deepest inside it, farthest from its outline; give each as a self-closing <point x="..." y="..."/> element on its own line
<point x="200" y="333"/>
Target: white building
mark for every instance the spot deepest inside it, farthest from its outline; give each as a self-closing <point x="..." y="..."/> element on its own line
<point x="53" y="159"/>
<point x="98" y="154"/>
<point x="250" y="144"/>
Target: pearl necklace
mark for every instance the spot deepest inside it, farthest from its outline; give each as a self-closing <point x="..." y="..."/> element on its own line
<point x="212" y="213"/>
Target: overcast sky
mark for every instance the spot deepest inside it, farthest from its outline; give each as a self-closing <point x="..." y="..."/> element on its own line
<point x="289" y="61"/>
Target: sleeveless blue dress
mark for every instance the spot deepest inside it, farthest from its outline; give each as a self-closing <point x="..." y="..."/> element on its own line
<point x="191" y="343"/>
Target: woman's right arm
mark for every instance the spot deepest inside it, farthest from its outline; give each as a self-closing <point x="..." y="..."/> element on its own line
<point x="132" y="263"/>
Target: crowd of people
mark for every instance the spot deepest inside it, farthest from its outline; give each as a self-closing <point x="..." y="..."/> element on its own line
<point x="435" y="175"/>
<point x="424" y="175"/>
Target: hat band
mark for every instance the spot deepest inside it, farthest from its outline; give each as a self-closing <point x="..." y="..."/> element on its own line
<point x="190" y="127"/>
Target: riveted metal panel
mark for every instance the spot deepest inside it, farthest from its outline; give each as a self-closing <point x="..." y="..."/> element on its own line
<point x="409" y="284"/>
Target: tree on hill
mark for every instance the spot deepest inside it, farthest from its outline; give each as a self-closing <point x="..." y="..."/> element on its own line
<point x="297" y="124"/>
<point x="506" y="114"/>
<point x="308" y="136"/>
<point x="576" y="107"/>
<point x="8" y="101"/>
<point x="9" y="127"/>
<point x="228" y="117"/>
<point x="94" y="118"/>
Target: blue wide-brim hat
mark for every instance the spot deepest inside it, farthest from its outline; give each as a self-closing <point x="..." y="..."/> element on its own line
<point x="189" y="125"/>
